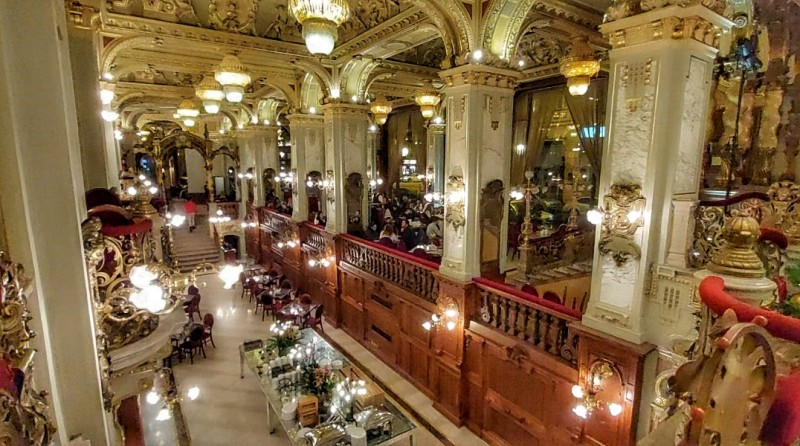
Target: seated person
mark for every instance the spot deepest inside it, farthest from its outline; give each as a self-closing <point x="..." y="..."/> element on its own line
<point x="434" y="230"/>
<point x="388" y="237"/>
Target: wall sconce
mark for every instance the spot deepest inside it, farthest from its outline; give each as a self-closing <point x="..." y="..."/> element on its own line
<point x="454" y="199"/>
<point x="621" y="215"/>
<point x="599" y="372"/>
<point x="247" y="175"/>
<point x="285" y="242"/>
<point x="249" y="222"/>
<point x="322" y="261"/>
<point x="446" y="315"/>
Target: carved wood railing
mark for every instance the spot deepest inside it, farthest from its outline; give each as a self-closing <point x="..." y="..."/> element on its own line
<point x="275" y="222"/>
<point x="314" y="238"/>
<point x="231" y="208"/>
<point x="543" y="325"/>
<point x="408" y="272"/>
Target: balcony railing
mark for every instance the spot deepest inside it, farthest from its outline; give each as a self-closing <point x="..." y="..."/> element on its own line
<point x="406" y="271"/>
<point x="543" y="324"/>
<point x="275" y="222"/>
<point x="315" y="239"/>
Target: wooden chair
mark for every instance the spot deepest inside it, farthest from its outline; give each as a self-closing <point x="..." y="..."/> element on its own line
<point x="552" y="297"/>
<point x="316" y="319"/>
<point x="530" y="289"/>
<point x="194" y="343"/>
<point x="208" y="325"/>
<point x="193" y="307"/>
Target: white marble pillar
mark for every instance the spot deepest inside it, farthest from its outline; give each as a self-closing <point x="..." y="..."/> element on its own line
<point x="263" y="142"/>
<point x="346" y="151"/>
<point x="99" y="153"/>
<point x="41" y="193"/>
<point x="308" y="154"/>
<point x="661" y="64"/>
<point x="479" y="101"/>
<point x="436" y="148"/>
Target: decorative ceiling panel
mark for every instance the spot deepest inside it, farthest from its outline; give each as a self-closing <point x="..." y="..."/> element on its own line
<point x="429" y="54"/>
<point x="260" y="18"/>
<point x="538" y="50"/>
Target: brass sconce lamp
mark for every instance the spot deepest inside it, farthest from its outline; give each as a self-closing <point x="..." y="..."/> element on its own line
<point x="599" y="373"/>
<point x="328" y="186"/>
<point x="446" y="315"/>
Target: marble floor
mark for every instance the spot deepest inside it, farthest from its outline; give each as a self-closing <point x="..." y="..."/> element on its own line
<point x="232" y="411"/>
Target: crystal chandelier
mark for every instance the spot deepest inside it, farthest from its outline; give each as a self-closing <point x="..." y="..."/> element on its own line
<point x="380" y="109"/>
<point x="233" y="77"/>
<point x="188" y="111"/>
<point x="579" y="66"/>
<point x="427" y="99"/>
<point x="320" y="20"/>
<point x="210" y="92"/>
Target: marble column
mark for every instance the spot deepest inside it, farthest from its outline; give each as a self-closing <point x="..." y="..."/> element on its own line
<point x="661" y="65"/>
<point x="479" y="101"/>
<point x="346" y="151"/>
<point x="99" y="152"/>
<point x="263" y="142"/>
<point x="41" y="194"/>
<point x="308" y="155"/>
<point x="435" y="157"/>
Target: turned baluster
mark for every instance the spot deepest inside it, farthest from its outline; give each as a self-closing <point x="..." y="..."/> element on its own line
<point x="515" y="314"/>
<point x="556" y="335"/>
<point x="526" y="314"/>
<point x="544" y="331"/>
<point x="537" y="322"/>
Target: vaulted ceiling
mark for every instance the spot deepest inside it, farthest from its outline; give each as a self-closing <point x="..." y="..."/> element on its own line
<point x="157" y="50"/>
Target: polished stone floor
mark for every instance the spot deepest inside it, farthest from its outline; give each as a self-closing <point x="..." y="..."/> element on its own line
<point x="232" y="411"/>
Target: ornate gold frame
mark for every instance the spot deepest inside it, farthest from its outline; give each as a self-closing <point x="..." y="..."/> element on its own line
<point x="624" y="208"/>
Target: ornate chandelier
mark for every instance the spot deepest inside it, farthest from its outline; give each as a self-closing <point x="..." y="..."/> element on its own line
<point x="233" y="77"/>
<point x="381" y="108"/>
<point x="210" y="92"/>
<point x="188" y="111"/>
<point x="320" y="20"/>
<point x="427" y="99"/>
<point x="579" y="66"/>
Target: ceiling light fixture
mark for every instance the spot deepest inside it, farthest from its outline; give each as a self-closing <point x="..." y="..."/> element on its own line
<point x="233" y="77"/>
<point x="109" y="115"/>
<point x="381" y="108"/>
<point x="320" y="20"/>
<point x="427" y="99"/>
<point x="188" y="109"/>
<point x="579" y="66"/>
<point x="210" y="92"/>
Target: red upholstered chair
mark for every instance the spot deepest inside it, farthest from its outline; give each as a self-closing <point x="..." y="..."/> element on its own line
<point x="552" y="297"/>
<point x="316" y="319"/>
<point x="421" y="253"/>
<point x="194" y="343"/>
<point x="782" y="426"/>
<point x="305" y="299"/>
<point x="193" y="307"/>
<point x="530" y="289"/>
<point x="208" y="325"/>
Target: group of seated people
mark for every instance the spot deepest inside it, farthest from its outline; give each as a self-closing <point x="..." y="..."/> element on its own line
<point x="404" y="225"/>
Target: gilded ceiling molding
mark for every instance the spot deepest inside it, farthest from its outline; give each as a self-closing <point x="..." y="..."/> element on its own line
<point x="586" y="18"/>
<point x="237" y="16"/>
<point x="311" y="92"/>
<point x="355" y="74"/>
<point x="385" y="31"/>
<point x="500" y="28"/>
<point x="418" y="70"/>
<point x="377" y="75"/>
<point x="118" y="24"/>
<point x="316" y="70"/>
<point x="693" y="27"/>
<point x="621" y="9"/>
<point x="455" y="24"/>
<point x="539" y="73"/>
<point x="285" y="88"/>
<point x="121" y="44"/>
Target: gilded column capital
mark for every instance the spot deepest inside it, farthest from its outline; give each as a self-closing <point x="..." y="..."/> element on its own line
<point x="344" y="109"/>
<point x="673" y="20"/>
<point x="482" y="75"/>
<point x="738" y="257"/>
<point x="309" y="120"/>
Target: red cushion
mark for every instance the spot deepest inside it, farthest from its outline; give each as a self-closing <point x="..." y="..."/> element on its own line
<point x="782" y="426"/>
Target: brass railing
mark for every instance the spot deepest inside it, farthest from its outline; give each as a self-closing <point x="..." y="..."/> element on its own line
<point x="543" y="325"/>
<point x="411" y="274"/>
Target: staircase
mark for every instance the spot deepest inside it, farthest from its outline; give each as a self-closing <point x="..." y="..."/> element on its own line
<point x="193" y="248"/>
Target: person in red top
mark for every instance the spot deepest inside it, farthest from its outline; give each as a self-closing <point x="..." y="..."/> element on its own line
<point x="190" y="208"/>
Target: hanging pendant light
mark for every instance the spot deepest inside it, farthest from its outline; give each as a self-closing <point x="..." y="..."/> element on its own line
<point x="233" y="77"/>
<point x="188" y="111"/>
<point x="579" y="66"/>
<point x="210" y="92"/>
<point x="427" y="99"/>
<point x="381" y="108"/>
<point x="320" y="20"/>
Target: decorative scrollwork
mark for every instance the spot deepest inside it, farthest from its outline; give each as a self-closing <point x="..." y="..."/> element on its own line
<point x="24" y="411"/>
<point x="454" y="202"/>
<point x="122" y="322"/>
<point x="624" y="206"/>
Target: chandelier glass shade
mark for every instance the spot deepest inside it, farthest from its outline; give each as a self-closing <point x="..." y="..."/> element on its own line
<point x="233" y="77"/>
<point x="579" y="66"/>
<point x="210" y="92"/>
<point x="381" y="108"/>
<point x="320" y="20"/>
<point x="188" y="109"/>
<point x="427" y="100"/>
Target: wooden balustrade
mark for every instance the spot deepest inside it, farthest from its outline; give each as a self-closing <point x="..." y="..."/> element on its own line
<point x="275" y="222"/>
<point x="543" y="324"/>
<point x="315" y="239"/>
<point x="408" y="272"/>
<point x="230" y="209"/>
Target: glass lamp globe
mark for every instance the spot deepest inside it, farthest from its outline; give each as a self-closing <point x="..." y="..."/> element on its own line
<point x="578" y="86"/>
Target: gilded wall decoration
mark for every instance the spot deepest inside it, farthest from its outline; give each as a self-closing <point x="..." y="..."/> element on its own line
<point x="624" y="206"/>
<point x="237" y="16"/>
<point x="454" y="214"/>
<point x="541" y="50"/>
<point x="24" y="411"/>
